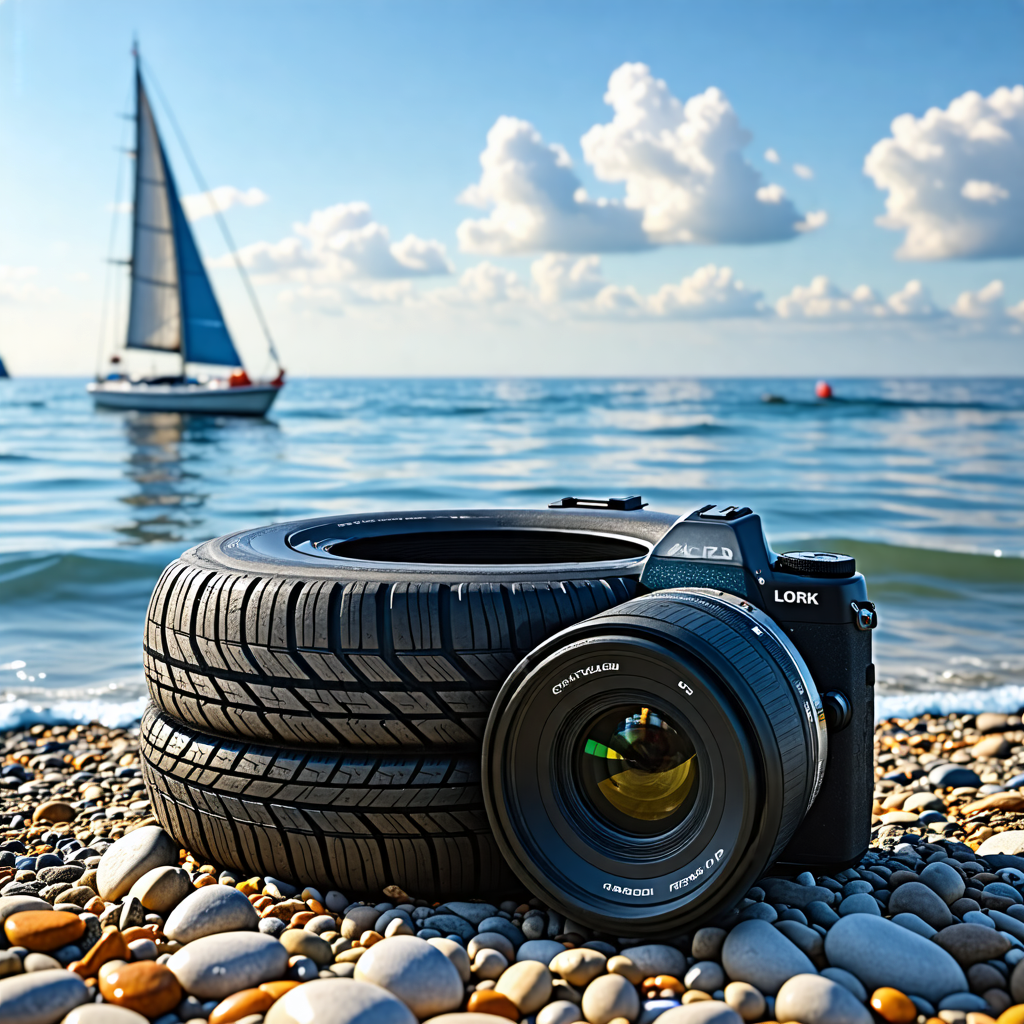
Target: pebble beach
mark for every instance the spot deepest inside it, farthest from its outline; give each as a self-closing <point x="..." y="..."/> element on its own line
<point x="106" y="920"/>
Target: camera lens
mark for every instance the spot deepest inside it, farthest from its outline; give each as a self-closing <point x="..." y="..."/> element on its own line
<point x="638" y="768"/>
<point x="643" y="768"/>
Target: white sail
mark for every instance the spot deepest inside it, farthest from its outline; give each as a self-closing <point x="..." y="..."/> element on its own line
<point x="155" y="315"/>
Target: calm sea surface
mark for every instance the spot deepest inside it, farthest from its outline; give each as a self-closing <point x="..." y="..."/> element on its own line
<point x="922" y="480"/>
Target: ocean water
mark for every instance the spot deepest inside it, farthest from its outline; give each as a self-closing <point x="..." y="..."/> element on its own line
<point x="923" y="481"/>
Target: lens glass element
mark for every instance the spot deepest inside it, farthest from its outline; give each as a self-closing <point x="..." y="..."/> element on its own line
<point x="638" y="769"/>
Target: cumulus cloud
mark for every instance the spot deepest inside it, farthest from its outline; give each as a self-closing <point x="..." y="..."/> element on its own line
<point x="537" y="201"/>
<point x="483" y="284"/>
<point x="772" y="156"/>
<point x="710" y="292"/>
<point x="683" y="166"/>
<point x="955" y="178"/>
<point x="203" y="204"/>
<point x="560" y="277"/>
<point x="987" y="305"/>
<point x="341" y="243"/>
<point x="803" y="171"/>
<point x="824" y="300"/>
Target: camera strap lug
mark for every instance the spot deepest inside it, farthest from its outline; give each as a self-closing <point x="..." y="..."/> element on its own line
<point x="864" y="614"/>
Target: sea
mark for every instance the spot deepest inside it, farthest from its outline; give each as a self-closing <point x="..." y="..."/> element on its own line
<point x="921" y="480"/>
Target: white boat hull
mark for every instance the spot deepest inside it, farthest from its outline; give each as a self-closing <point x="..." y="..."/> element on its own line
<point x="209" y="399"/>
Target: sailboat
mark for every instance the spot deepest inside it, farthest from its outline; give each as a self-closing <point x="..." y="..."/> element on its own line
<point x="173" y="307"/>
<point x="3" y="369"/>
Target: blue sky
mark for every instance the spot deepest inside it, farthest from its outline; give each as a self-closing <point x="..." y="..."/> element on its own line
<point x="323" y="105"/>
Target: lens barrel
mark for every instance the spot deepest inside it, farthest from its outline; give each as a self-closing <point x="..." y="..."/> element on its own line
<point x="643" y="767"/>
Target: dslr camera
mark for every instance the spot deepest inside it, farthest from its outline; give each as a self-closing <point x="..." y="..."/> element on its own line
<point x="644" y="767"/>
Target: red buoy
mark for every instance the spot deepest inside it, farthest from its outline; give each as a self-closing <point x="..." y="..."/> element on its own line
<point x="823" y="389"/>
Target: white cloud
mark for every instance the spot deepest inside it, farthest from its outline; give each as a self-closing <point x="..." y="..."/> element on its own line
<point x="987" y="305"/>
<point x="955" y="178"/>
<point x="815" y="219"/>
<point x="710" y="292"/>
<point x="824" y="300"/>
<point x="683" y="165"/>
<point x="483" y="284"/>
<point x="803" y="171"/>
<point x="537" y="202"/>
<point x="561" y="278"/>
<point x="202" y="204"/>
<point x="771" y="156"/>
<point x="343" y="243"/>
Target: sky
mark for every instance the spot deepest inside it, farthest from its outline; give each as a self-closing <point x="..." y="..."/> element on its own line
<point x="556" y="188"/>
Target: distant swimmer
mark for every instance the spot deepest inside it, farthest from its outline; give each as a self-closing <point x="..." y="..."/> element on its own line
<point x="823" y="389"/>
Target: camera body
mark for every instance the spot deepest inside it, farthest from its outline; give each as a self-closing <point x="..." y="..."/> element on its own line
<point x="645" y="766"/>
<point x="822" y="605"/>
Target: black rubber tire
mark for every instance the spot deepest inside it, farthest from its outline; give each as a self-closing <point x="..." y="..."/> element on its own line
<point x="248" y="637"/>
<point x="354" y="822"/>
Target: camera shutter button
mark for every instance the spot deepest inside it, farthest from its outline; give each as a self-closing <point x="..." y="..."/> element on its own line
<point x="816" y="563"/>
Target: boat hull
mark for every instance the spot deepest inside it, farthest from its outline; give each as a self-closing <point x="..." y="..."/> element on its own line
<point x="249" y="400"/>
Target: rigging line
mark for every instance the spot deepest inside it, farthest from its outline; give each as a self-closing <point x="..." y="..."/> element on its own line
<point x="105" y="307"/>
<point x="218" y="214"/>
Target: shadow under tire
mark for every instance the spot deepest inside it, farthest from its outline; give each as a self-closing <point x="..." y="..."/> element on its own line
<point x="389" y="630"/>
<point x="352" y="821"/>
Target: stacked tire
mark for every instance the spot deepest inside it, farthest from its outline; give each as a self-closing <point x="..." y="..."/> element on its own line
<point x="320" y="689"/>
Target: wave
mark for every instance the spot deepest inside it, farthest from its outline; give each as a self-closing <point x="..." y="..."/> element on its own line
<point x="114" y="705"/>
<point x="1007" y="699"/>
<point x="879" y="561"/>
<point x="27" y="574"/>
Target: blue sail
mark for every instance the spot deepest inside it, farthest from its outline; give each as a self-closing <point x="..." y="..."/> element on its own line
<point x="3" y="369"/>
<point x="204" y="335"/>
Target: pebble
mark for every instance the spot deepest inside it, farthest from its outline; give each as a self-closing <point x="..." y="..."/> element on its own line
<point x="358" y="920"/>
<point x="944" y="881"/>
<point x="457" y="954"/>
<point x="971" y="943"/>
<point x="502" y="927"/>
<point x="1011" y="842"/>
<point x="103" y="1013"/>
<point x="415" y="971"/>
<point x="528" y="985"/>
<point x="128" y="859"/>
<point x="782" y="890"/>
<point x="707" y="943"/>
<point x="40" y="962"/>
<point x="491" y="940"/>
<point x="148" y="988"/>
<point x="812" y="999"/>
<point x="207" y="911"/>
<point x="657" y="959"/>
<point x="487" y="1001"/>
<point x="709" y="1011"/>
<point x="893" y="1006"/>
<point x="561" y="1011"/>
<point x="541" y="950"/>
<point x="859" y="903"/>
<point x="326" y="1002"/>
<point x="217" y="965"/>
<point x="474" y="913"/>
<point x="240" y="1004"/>
<point x="953" y="775"/>
<point x="54" y="811"/>
<point x="757" y="952"/>
<point x="43" y="930"/>
<point x="917" y="898"/>
<point x="578" y="966"/>
<point x="162" y="889"/>
<point x="41" y="997"/>
<point x="607" y="998"/>
<point x="746" y="1000"/>
<point x="879" y="953"/>
<point x="705" y="976"/>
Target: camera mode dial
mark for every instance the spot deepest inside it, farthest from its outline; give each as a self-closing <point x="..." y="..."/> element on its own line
<point x="816" y="563"/>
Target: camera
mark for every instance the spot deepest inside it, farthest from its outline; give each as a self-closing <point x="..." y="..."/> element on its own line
<point x="644" y="767"/>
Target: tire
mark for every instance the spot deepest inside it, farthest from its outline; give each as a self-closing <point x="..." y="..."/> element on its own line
<point x="291" y="635"/>
<point x="355" y="822"/>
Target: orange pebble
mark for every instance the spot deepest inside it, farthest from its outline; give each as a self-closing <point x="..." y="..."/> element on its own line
<point x="488" y="1001"/>
<point x="314" y="906"/>
<point x="278" y="988"/>
<point x="648" y="983"/>
<point x="663" y="981"/>
<point x="43" y="930"/>
<point x="368" y="938"/>
<point x="110" y="946"/>
<point x="1013" y="1015"/>
<point x="892" y="1005"/>
<point x="143" y="931"/>
<point x="261" y="903"/>
<point x="147" y="987"/>
<point x="241" y="1004"/>
<point x="301" y="919"/>
<point x="204" y="880"/>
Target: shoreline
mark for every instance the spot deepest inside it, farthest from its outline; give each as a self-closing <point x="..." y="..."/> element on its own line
<point x="944" y="868"/>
